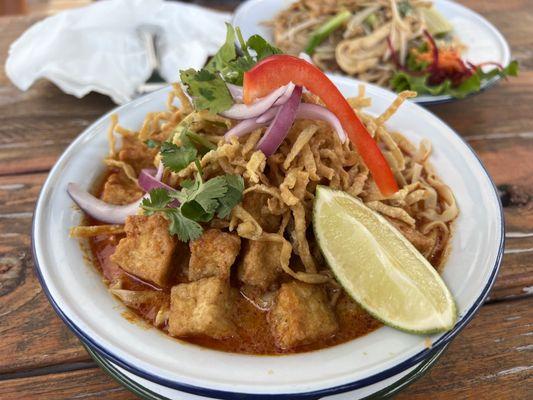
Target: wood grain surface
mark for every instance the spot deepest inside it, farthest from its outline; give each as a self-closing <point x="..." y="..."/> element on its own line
<point x="492" y="358"/>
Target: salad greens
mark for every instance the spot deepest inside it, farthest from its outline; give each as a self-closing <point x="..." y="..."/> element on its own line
<point x="421" y="83"/>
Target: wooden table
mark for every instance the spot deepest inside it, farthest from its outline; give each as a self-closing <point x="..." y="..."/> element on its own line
<point x="492" y="358"/>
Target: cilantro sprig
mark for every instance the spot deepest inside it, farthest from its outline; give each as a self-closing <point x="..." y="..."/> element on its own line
<point x="176" y="157"/>
<point x="207" y="86"/>
<point x="198" y="200"/>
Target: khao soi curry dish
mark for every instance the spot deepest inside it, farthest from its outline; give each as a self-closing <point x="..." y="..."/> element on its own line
<point x="203" y="221"/>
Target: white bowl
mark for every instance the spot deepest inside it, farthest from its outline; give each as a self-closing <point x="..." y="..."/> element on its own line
<point x="152" y="391"/>
<point x="484" y="42"/>
<point x="76" y="291"/>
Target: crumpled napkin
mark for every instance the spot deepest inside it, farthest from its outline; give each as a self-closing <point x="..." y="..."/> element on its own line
<point x="99" y="48"/>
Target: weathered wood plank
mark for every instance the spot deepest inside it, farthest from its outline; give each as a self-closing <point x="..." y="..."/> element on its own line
<point x="492" y="356"/>
<point x="491" y="359"/>
<point x="87" y="384"/>
<point x="31" y="335"/>
<point x="35" y="128"/>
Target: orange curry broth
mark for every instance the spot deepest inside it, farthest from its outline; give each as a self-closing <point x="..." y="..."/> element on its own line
<point x="253" y="329"/>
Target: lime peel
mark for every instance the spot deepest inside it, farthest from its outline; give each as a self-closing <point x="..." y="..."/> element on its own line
<point x="378" y="267"/>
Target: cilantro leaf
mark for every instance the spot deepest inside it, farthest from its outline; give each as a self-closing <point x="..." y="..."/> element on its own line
<point x="234" y="71"/>
<point x="261" y="47"/>
<point x="196" y="212"/>
<point x="158" y="200"/>
<point x="208" y="193"/>
<point x="186" y="229"/>
<point x="235" y="185"/>
<point x="197" y="139"/>
<point x="226" y="53"/>
<point x="188" y="184"/>
<point x="199" y="203"/>
<point x="176" y="158"/>
<point x="207" y="89"/>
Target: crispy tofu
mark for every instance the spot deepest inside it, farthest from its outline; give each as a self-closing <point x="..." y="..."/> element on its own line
<point x="260" y="265"/>
<point x="213" y="254"/>
<point x="147" y="249"/>
<point x="136" y="153"/>
<point x="301" y="315"/>
<point x="120" y="190"/>
<point x="201" y="308"/>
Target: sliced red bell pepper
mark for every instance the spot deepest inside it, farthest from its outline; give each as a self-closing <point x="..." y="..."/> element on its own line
<point x="279" y="70"/>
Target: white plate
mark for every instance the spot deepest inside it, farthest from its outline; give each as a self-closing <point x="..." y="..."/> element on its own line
<point x="76" y="291"/>
<point x="152" y="391"/>
<point x="484" y="41"/>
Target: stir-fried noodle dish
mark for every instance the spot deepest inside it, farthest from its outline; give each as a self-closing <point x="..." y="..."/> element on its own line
<point x="221" y="251"/>
<point x="363" y="46"/>
<point x="400" y="44"/>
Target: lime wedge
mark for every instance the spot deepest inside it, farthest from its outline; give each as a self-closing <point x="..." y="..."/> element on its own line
<point x="378" y="267"/>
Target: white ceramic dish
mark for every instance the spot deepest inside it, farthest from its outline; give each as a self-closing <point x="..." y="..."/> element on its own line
<point x="82" y="300"/>
<point x="484" y="41"/>
<point x="152" y="391"/>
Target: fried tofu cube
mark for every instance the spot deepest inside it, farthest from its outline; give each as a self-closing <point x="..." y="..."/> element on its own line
<point x="147" y="249"/>
<point x="213" y="254"/>
<point x="120" y="190"/>
<point x="301" y="315"/>
<point x="260" y="265"/>
<point x="201" y="308"/>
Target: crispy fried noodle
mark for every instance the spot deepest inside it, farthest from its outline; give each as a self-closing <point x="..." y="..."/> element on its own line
<point x="279" y="191"/>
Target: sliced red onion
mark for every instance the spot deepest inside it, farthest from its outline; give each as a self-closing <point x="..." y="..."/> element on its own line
<point x="100" y="210"/>
<point x="268" y="116"/>
<point x="285" y="96"/>
<point x="243" y="128"/>
<point x="243" y="111"/>
<point x="306" y="57"/>
<point x="279" y="128"/>
<point x="314" y="111"/>
<point x="160" y="171"/>
<point x="235" y="91"/>
<point x="148" y="180"/>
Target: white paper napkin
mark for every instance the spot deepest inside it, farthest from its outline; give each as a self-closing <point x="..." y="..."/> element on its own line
<point x="98" y="47"/>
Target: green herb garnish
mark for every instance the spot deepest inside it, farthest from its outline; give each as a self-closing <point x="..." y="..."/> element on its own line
<point x="207" y="86"/>
<point x="403" y="80"/>
<point x="199" y="202"/>
<point x="207" y="89"/>
<point x="176" y="158"/>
